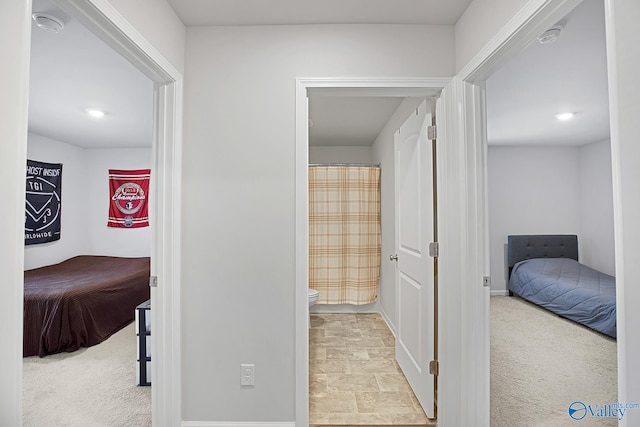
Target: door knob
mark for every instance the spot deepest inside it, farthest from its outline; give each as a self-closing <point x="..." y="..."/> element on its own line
<point x="393" y="257"/>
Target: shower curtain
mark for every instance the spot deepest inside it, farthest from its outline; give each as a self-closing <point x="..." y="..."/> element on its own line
<point x="344" y="233"/>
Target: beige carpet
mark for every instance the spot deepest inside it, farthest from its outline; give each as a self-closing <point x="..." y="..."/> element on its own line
<point x="541" y="363"/>
<point x="92" y="387"/>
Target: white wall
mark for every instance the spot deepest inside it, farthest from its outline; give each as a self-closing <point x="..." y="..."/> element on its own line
<point x="238" y="237"/>
<point x="156" y="21"/>
<point x="382" y="151"/>
<point x="85" y="202"/>
<point x="75" y="193"/>
<point x="596" y="236"/>
<point x="482" y="20"/>
<point x="103" y="240"/>
<point x="327" y="154"/>
<point x="551" y="190"/>
<point x="532" y="190"/>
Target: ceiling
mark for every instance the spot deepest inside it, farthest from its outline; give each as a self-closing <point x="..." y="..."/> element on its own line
<point x="348" y="121"/>
<point x="280" y="12"/>
<point x="73" y="70"/>
<point x="569" y="75"/>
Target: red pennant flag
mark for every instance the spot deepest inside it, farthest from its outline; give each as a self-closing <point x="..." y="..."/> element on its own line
<point x="129" y="189"/>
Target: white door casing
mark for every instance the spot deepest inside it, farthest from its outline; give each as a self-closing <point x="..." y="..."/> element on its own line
<point x="415" y="268"/>
<point x="426" y="87"/>
<point x="101" y="18"/>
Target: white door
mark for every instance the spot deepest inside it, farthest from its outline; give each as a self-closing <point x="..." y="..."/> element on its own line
<point x="414" y="267"/>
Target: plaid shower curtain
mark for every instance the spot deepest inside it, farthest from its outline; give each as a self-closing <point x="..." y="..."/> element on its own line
<point x="344" y="233"/>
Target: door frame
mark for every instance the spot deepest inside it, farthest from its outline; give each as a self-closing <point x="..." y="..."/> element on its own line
<point x="467" y="329"/>
<point x="108" y="24"/>
<point x="463" y="384"/>
<point x="304" y="87"/>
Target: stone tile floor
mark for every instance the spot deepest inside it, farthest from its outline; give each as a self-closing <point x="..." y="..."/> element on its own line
<point x="354" y="378"/>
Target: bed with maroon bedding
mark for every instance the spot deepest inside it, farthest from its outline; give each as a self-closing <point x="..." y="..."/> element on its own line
<point x="81" y="301"/>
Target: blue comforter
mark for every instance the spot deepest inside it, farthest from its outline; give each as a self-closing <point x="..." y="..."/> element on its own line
<point x="570" y="289"/>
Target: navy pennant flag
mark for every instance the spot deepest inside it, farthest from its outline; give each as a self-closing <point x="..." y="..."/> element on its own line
<point x="43" y="202"/>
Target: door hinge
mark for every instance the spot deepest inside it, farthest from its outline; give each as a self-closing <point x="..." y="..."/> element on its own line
<point x="432" y="132"/>
<point x="434" y="249"/>
<point x="153" y="281"/>
<point x="434" y="367"/>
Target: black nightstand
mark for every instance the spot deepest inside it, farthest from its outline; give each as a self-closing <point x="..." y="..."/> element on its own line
<point x="143" y="337"/>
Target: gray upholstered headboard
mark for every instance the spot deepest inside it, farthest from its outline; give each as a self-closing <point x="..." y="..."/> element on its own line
<point x="521" y="247"/>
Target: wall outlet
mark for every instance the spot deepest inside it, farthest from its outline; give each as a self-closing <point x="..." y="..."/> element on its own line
<point x="247" y="372"/>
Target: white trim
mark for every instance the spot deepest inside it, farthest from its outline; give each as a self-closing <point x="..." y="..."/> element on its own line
<point x="235" y="424"/>
<point x="452" y="301"/>
<point x="499" y="293"/>
<point x="432" y="86"/>
<point x="16" y="46"/>
<point x="373" y="307"/>
<point x="107" y="23"/>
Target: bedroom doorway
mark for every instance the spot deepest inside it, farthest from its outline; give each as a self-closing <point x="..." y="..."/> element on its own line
<point x="407" y="99"/>
<point x="519" y="203"/>
<point x="162" y="155"/>
<point x="73" y="69"/>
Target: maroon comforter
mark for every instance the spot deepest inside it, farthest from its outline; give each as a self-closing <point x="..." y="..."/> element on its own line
<point x="81" y="301"/>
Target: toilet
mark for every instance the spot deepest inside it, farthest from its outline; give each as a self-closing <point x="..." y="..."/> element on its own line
<point x="313" y="297"/>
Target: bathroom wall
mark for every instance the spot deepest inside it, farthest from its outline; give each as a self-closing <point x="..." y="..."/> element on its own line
<point x="328" y="154"/>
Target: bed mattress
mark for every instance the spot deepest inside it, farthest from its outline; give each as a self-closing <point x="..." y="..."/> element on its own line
<point x="570" y="289"/>
<point x="81" y="301"/>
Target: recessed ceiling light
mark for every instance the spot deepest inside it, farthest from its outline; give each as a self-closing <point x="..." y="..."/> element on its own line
<point x="95" y="113"/>
<point x="48" y="22"/>
<point x="565" y="116"/>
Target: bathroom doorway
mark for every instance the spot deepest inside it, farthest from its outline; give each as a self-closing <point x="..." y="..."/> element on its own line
<point x="333" y="325"/>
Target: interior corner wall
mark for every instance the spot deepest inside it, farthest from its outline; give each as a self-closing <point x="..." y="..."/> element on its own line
<point x="73" y="236"/>
<point x="85" y="202"/>
<point x="103" y="240"/>
<point x="329" y="154"/>
<point x="238" y="238"/>
<point x="597" y="246"/>
<point x="532" y="190"/>
<point x="383" y="153"/>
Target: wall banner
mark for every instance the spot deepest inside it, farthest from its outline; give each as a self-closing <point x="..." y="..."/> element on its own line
<point x="128" y="205"/>
<point x="43" y="204"/>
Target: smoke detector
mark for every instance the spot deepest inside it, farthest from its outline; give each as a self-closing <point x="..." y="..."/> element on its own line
<point x="48" y="22"/>
<point x="551" y="35"/>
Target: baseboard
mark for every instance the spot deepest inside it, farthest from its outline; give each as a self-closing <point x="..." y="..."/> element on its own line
<point x="236" y="424"/>
<point x="385" y="317"/>
<point x="499" y="293"/>
<point x="374" y="307"/>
